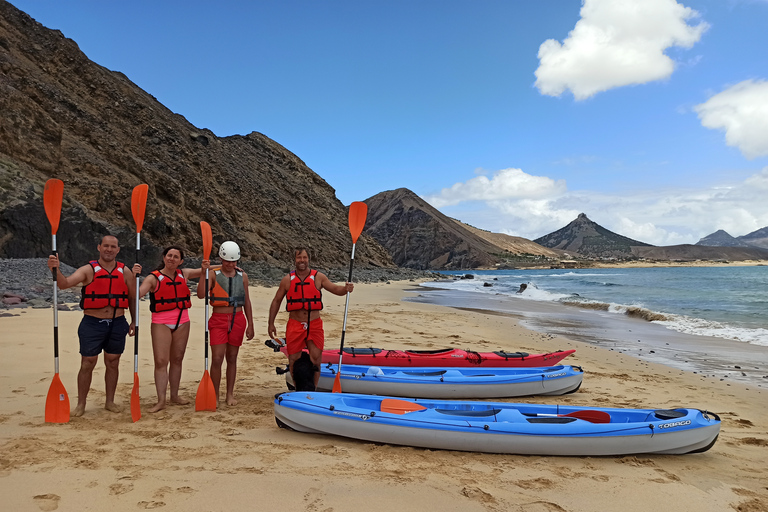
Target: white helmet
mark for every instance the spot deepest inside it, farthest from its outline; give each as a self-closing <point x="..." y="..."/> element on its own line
<point x="229" y="251"/>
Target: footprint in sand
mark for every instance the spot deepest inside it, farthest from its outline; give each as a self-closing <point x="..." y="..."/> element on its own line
<point x="150" y="504"/>
<point x="543" y="506"/>
<point x="47" y="501"/>
<point x="117" y="489"/>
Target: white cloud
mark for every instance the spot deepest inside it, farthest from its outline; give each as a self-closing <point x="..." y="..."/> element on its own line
<point x="504" y="184"/>
<point x="742" y="112"/>
<point x="658" y="217"/>
<point x="616" y="43"/>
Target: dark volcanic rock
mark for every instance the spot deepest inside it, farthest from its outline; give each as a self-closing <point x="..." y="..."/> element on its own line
<point x="757" y="238"/>
<point x="66" y="117"/>
<point x="721" y="238"/>
<point x="589" y="239"/>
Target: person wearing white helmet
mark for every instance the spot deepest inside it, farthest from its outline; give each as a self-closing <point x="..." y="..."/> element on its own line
<point x="232" y="317"/>
<point x="303" y="290"/>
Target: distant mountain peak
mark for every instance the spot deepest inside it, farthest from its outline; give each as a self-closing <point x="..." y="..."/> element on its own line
<point x="588" y="238"/>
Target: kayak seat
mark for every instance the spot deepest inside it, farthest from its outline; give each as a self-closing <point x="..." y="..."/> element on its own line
<point x="550" y="420"/>
<point x="474" y="414"/>
<point x="511" y="355"/>
<point x="362" y="351"/>
<point x="669" y="414"/>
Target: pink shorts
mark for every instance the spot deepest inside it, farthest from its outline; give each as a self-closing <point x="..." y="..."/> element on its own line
<point x="296" y="335"/>
<point x="218" y="329"/>
<point x="170" y="318"/>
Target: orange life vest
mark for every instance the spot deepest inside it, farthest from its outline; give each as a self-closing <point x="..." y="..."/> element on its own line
<point x="228" y="291"/>
<point x="171" y="293"/>
<point x="303" y="294"/>
<point x="106" y="289"/>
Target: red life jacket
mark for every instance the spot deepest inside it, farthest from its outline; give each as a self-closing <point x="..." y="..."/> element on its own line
<point x="171" y="293"/>
<point x="303" y="294"/>
<point x="106" y="289"/>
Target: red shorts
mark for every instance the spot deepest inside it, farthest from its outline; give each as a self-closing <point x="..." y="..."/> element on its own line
<point x="218" y="329"/>
<point x="296" y="335"/>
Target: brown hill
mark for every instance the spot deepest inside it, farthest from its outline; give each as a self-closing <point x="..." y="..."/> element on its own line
<point x="66" y="117"/>
<point x="515" y="244"/>
<point x="419" y="236"/>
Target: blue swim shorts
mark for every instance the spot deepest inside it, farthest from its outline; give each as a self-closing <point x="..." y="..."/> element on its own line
<point x="97" y="334"/>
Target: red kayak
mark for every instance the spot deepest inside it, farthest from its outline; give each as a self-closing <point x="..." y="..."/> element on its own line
<point x="448" y="357"/>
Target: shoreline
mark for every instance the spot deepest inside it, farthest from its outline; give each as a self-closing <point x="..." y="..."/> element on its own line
<point x="180" y="459"/>
<point x="713" y="357"/>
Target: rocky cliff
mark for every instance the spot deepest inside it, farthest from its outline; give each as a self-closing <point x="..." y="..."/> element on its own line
<point x="65" y="116"/>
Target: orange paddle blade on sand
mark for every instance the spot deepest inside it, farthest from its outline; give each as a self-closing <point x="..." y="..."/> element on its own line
<point x="57" y="402"/>
<point x="135" y="404"/>
<point x="206" y="394"/>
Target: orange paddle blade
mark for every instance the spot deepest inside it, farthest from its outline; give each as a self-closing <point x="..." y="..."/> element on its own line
<point x="135" y="405"/>
<point x="57" y="402"/>
<point x="337" y="383"/>
<point x="395" y="406"/>
<point x="207" y="239"/>
<point x="206" y="394"/>
<point x="139" y="204"/>
<point x="53" y="195"/>
<point x="358" y="212"/>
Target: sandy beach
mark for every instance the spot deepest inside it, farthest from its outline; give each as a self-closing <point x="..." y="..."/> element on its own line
<point x="237" y="459"/>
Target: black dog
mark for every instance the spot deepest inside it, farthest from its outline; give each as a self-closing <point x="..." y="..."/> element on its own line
<point x="304" y="373"/>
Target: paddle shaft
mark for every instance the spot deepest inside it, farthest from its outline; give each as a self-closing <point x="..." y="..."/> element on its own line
<point x="136" y="314"/>
<point x="55" y="311"/>
<point x="206" y="319"/>
<point x="346" y="308"/>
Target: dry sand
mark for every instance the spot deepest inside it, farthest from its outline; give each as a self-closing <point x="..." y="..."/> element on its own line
<point x="237" y="459"/>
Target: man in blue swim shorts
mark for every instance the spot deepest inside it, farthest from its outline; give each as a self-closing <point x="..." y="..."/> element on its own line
<point x="108" y="288"/>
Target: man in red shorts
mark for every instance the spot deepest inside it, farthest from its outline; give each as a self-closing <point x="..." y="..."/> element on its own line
<point x="303" y="290"/>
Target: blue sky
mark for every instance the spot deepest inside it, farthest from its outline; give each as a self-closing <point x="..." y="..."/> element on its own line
<point x="650" y="116"/>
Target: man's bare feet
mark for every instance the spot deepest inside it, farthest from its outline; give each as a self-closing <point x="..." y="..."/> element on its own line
<point x="113" y="407"/>
<point x="180" y="401"/>
<point x="159" y="406"/>
<point x="79" y="410"/>
<point x="231" y="400"/>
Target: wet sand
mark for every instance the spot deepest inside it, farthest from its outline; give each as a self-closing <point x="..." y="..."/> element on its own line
<point x="237" y="459"/>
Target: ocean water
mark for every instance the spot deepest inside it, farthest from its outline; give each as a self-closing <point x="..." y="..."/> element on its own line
<point x="712" y="320"/>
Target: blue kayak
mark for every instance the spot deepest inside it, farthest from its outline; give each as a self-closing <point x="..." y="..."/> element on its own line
<point x="497" y="427"/>
<point x="450" y="382"/>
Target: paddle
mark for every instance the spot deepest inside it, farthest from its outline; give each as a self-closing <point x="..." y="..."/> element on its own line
<point x="358" y="211"/>
<point x="590" y="416"/>
<point x="206" y="394"/>
<point x="138" y="207"/>
<point x="395" y="406"/>
<point x="57" y="401"/>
